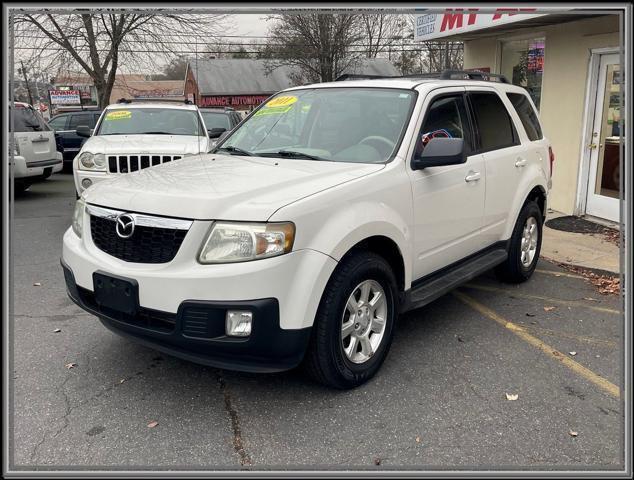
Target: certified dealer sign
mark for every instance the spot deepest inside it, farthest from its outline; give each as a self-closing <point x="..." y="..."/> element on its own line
<point x="458" y="20"/>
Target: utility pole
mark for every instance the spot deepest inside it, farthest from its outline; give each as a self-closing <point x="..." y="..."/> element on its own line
<point x="26" y="82"/>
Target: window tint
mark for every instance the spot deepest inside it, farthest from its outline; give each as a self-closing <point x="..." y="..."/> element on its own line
<point x="216" y="120"/>
<point x="27" y="119"/>
<point x="527" y="115"/>
<point x="58" y="123"/>
<point x="446" y="117"/>
<point x="85" y="119"/>
<point x="494" y="124"/>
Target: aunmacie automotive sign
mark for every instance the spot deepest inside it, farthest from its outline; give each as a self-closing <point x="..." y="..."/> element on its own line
<point x="460" y="20"/>
<point x="65" y="97"/>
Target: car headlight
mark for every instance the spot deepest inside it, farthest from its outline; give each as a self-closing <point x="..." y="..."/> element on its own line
<point x="89" y="161"/>
<point x="78" y="217"/>
<point x="241" y="242"/>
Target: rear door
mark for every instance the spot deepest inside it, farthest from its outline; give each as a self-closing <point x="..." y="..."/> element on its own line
<point x="448" y="200"/>
<point x="505" y="158"/>
<point x="35" y="139"/>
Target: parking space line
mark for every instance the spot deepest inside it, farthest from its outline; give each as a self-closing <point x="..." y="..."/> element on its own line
<point x="558" y="274"/>
<point x="569" y="303"/>
<point x="571" y="336"/>
<point x="576" y="367"/>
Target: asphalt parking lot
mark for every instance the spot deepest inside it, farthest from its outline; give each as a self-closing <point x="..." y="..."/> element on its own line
<point x="439" y="401"/>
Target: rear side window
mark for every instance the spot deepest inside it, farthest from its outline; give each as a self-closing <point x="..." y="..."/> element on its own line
<point x="26" y="119"/>
<point x="527" y="115"/>
<point x="494" y="125"/>
<point x="58" y="123"/>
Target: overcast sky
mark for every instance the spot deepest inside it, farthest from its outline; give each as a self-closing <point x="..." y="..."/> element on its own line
<point x="251" y="24"/>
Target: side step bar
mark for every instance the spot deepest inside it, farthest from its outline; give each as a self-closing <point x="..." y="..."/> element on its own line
<point x="438" y="285"/>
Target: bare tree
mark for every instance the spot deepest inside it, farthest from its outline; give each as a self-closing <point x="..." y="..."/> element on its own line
<point x="99" y="42"/>
<point x="319" y="46"/>
<point x="381" y="31"/>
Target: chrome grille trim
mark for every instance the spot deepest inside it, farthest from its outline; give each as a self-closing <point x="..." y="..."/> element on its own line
<point x="140" y="219"/>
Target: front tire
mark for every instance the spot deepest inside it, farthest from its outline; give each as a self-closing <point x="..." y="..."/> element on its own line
<point x="525" y="245"/>
<point x="354" y="324"/>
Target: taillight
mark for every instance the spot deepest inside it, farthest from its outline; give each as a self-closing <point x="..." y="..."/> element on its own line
<point x="551" y="158"/>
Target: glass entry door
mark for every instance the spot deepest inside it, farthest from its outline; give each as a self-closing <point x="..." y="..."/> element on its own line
<point x="605" y="146"/>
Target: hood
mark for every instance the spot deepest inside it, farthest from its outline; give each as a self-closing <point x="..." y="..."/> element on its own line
<point x="222" y="187"/>
<point x="140" y="144"/>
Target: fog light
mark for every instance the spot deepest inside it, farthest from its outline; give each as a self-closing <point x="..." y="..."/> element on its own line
<point x="86" y="182"/>
<point x="238" y="323"/>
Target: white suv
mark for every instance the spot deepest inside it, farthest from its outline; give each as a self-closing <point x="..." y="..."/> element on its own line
<point x="35" y="156"/>
<point x="133" y="136"/>
<point x="331" y="209"/>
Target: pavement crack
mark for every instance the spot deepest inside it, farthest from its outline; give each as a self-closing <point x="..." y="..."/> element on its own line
<point x="238" y="444"/>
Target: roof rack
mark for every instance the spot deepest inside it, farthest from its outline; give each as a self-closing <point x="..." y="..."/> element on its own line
<point x="444" y="75"/>
<point x="170" y="100"/>
<point x="472" y="75"/>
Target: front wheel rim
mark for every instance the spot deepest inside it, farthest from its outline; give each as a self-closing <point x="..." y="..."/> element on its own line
<point x="528" y="244"/>
<point x="363" y="322"/>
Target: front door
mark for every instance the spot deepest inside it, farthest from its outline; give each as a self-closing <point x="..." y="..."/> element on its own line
<point x="605" y="145"/>
<point x="448" y="200"/>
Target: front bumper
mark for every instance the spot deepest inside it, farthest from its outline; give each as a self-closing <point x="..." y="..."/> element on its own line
<point x="197" y="331"/>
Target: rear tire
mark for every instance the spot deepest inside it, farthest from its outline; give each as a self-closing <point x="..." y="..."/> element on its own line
<point x="362" y="283"/>
<point x="524" y="246"/>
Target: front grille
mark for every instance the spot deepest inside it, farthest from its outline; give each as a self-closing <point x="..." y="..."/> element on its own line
<point x="146" y="245"/>
<point x="146" y="317"/>
<point x="132" y="163"/>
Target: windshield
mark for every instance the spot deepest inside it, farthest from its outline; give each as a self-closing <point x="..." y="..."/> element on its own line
<point x="27" y="119"/>
<point x="338" y="124"/>
<point x="159" y="121"/>
<point x="215" y="120"/>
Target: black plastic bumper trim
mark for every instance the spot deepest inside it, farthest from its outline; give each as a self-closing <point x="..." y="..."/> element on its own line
<point x="269" y="348"/>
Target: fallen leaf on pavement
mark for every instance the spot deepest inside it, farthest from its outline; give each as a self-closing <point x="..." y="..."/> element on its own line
<point x="37" y="284"/>
<point x="549" y="309"/>
<point x="573" y="353"/>
<point x="152" y="424"/>
<point x="530" y="314"/>
<point x="572" y="433"/>
<point x="70" y="365"/>
<point x="590" y="299"/>
<point x="57" y="330"/>
<point x="417" y="439"/>
<point x="512" y="396"/>
<point x="122" y="380"/>
<point x="377" y="461"/>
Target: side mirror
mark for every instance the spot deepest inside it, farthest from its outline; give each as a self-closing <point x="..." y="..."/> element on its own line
<point x="216" y="132"/>
<point x="83" y="131"/>
<point x="441" y="151"/>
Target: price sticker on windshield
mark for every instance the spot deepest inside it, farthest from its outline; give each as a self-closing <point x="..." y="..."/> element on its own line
<point x="285" y="101"/>
<point x="119" y="115"/>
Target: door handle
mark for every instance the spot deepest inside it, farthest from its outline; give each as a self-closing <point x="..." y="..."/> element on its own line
<point x="472" y="177"/>
<point x="521" y="162"/>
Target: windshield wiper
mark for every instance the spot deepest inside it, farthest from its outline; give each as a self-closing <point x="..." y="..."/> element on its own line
<point x="235" y="151"/>
<point x="293" y="154"/>
<point x="155" y="133"/>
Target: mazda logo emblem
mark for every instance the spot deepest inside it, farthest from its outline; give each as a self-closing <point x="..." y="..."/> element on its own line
<point x="125" y="225"/>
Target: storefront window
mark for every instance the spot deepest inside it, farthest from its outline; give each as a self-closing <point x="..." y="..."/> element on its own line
<point x="523" y="64"/>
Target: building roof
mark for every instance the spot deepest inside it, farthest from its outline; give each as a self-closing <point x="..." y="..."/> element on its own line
<point x="223" y="76"/>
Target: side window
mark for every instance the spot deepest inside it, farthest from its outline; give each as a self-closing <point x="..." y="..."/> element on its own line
<point x="527" y="115"/>
<point x="446" y="117"/>
<point x="76" y="120"/>
<point x="58" y="123"/>
<point x="493" y="122"/>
